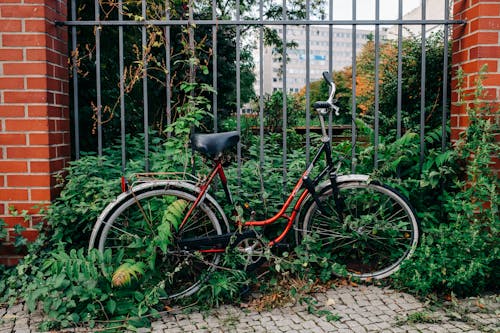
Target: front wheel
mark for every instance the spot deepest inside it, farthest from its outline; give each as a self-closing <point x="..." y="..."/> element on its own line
<point x="369" y="235"/>
<point x="130" y="228"/>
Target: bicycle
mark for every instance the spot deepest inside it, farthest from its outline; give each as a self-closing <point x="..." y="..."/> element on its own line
<point x="367" y="227"/>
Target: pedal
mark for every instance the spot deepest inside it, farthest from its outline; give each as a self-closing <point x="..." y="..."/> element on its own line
<point x="282" y="246"/>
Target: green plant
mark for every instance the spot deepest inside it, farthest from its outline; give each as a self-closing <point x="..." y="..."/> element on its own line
<point x="459" y="249"/>
<point x="419" y="317"/>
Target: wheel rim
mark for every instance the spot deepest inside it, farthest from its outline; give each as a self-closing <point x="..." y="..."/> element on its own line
<point x="133" y="225"/>
<point x="376" y="232"/>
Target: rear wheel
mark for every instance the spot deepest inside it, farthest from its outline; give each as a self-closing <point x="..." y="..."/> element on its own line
<point x="374" y="231"/>
<point x="129" y="229"/>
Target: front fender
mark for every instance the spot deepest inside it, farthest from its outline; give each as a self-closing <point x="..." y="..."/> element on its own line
<point x="357" y="178"/>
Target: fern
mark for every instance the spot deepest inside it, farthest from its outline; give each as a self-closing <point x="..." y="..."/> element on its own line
<point x="124" y="274"/>
<point x="172" y="217"/>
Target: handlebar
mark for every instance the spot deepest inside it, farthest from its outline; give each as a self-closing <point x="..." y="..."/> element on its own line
<point x="323" y="107"/>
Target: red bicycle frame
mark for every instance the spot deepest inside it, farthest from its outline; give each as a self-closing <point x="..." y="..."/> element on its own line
<point x="303" y="182"/>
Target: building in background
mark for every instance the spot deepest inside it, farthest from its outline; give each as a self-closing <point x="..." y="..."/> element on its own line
<point x="319" y="46"/>
<point x="434" y="10"/>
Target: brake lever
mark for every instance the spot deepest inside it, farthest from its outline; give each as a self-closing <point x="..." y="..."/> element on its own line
<point x="336" y="109"/>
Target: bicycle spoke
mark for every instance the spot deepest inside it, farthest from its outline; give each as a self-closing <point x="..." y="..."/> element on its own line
<point x="374" y="234"/>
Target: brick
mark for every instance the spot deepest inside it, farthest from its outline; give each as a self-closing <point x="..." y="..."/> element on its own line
<point x="23" y="40"/>
<point x="7" y="54"/>
<point x="484" y="52"/>
<point x="31" y="235"/>
<point x="61" y="72"/>
<point x="46" y="166"/>
<point x="463" y="121"/>
<point x="44" y="111"/>
<point x="11" y="83"/>
<point x="29" y="207"/>
<point x="41" y="194"/>
<point x="9" y="139"/>
<point x="62" y="125"/>
<point x="34" y="125"/>
<point x="39" y="26"/>
<point x="12" y="260"/>
<point x="12" y="221"/>
<point x="13" y="194"/>
<point x="22" y="11"/>
<point x="9" y="111"/>
<point x="476" y="64"/>
<point x="28" y="180"/>
<point x="25" y="68"/>
<point x="30" y="152"/>
<point x="457" y="110"/>
<point x="36" y="139"/>
<point x="490" y="23"/>
<point x="460" y="57"/>
<point x="42" y="54"/>
<point x="27" y="97"/>
<point x="480" y="37"/>
<point x="61" y="99"/>
<point x="11" y="25"/>
<point x="492" y="79"/>
<point x="43" y="83"/>
<point x="63" y="151"/>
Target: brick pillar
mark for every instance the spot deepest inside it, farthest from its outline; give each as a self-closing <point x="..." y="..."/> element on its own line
<point x="34" y="112"/>
<point x="475" y="44"/>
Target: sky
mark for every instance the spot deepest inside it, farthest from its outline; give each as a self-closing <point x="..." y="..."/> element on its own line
<point x="342" y="9"/>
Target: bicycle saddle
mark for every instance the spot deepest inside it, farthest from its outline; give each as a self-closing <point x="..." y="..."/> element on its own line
<point x="212" y="145"/>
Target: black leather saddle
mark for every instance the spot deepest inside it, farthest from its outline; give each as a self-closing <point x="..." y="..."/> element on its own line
<point x="212" y="145"/>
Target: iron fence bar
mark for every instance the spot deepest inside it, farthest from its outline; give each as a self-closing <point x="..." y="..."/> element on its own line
<point x="145" y="89"/>
<point x="122" y="87"/>
<point x="308" y="84"/>
<point x="191" y="44"/>
<point x="238" y="78"/>
<point x="445" y="78"/>
<point x="168" y="92"/>
<point x="261" y="89"/>
<point x="353" y="92"/>
<point x="400" y="72"/>
<point x="399" y="98"/>
<point x="330" y="63"/>
<point x="74" y="62"/>
<point x="238" y="113"/>
<point x="98" y="79"/>
<point x="214" y="66"/>
<point x="257" y="22"/>
<point x="285" y="101"/>
<point x="422" y="87"/>
<point x="377" y="88"/>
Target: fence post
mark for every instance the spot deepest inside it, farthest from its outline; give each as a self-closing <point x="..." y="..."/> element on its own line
<point x="34" y="112"/>
<point x="475" y="44"/>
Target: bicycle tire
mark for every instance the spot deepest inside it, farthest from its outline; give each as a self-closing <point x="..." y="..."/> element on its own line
<point x="377" y="231"/>
<point x="133" y="222"/>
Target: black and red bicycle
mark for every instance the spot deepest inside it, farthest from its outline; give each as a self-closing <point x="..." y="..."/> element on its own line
<point x="367" y="228"/>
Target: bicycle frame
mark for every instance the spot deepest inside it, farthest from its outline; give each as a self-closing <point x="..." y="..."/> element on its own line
<point x="303" y="183"/>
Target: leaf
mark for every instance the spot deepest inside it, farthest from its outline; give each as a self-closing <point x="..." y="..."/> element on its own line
<point x="124" y="274"/>
<point x="172" y="217"/>
<point x="111" y="306"/>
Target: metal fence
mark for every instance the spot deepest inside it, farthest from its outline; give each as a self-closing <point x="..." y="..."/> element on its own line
<point x="103" y="21"/>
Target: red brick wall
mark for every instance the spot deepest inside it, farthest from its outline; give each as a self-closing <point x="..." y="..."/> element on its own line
<point x="34" y="113"/>
<point x="475" y="44"/>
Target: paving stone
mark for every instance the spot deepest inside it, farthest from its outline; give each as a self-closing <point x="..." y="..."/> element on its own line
<point x="361" y="309"/>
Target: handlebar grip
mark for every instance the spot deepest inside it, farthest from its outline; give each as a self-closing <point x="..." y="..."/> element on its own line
<point x="328" y="77"/>
<point x="322" y="105"/>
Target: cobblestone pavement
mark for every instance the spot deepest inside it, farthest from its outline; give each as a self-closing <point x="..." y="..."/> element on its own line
<point x="344" y="309"/>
